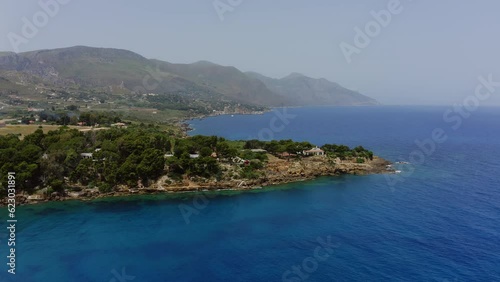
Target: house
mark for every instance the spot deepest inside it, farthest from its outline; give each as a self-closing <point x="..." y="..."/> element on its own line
<point x="258" y="151"/>
<point x="194" y="156"/>
<point x="87" y="155"/>
<point x="316" y="151"/>
<point x="2" y="124"/>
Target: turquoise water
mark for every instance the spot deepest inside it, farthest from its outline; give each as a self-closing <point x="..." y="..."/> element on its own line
<point x="440" y="222"/>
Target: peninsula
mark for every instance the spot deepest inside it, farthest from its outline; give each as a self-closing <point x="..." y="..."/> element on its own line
<point x="132" y="159"/>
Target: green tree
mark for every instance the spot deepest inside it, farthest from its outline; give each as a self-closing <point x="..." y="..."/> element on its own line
<point x="35" y="138"/>
<point x="84" y="173"/>
<point x="224" y="150"/>
<point x="205" y="152"/>
<point x="151" y="165"/>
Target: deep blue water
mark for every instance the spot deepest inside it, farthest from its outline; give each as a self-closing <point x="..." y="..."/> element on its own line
<point x="440" y="222"/>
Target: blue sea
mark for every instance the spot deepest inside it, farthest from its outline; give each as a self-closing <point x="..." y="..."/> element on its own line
<point x="439" y="220"/>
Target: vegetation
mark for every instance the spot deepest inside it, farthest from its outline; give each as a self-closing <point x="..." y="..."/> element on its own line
<point x="276" y="147"/>
<point x="97" y="158"/>
<point x="289" y="146"/>
<point x="344" y="152"/>
<point x="137" y="156"/>
<point x="72" y="116"/>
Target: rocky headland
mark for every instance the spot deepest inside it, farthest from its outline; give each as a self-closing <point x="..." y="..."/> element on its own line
<point x="276" y="171"/>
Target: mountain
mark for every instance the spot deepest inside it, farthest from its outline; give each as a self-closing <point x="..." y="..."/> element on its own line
<point x="227" y="80"/>
<point x="105" y="78"/>
<point x="121" y="71"/>
<point x="300" y="90"/>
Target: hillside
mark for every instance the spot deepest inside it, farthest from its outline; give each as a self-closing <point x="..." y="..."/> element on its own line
<point x="300" y="90"/>
<point x="121" y="80"/>
<point x="121" y="71"/>
<point x="226" y="80"/>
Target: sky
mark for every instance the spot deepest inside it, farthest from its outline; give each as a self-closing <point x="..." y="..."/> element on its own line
<point x="417" y="52"/>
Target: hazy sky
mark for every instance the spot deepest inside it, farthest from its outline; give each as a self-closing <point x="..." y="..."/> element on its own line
<point x="431" y="52"/>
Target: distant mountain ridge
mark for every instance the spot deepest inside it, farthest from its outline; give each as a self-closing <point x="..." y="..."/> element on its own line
<point x="300" y="90"/>
<point x="122" y="72"/>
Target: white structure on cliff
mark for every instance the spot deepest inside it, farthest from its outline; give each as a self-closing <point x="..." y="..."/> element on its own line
<point x="316" y="151"/>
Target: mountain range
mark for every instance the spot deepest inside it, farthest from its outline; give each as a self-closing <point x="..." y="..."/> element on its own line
<point x="300" y="90"/>
<point x="125" y="74"/>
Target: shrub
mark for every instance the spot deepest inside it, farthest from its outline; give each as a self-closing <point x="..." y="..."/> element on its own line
<point x="57" y="185"/>
<point x="249" y="173"/>
<point x="50" y="190"/>
<point x="105" y="188"/>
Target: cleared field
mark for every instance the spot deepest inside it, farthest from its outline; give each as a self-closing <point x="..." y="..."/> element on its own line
<point x="24" y="130"/>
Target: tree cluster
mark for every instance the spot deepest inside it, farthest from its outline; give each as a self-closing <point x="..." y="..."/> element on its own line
<point x="281" y="146"/>
<point x="344" y="152"/>
<point x="103" y="158"/>
<point x="73" y="117"/>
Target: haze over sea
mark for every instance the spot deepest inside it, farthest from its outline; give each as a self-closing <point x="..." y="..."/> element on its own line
<point x="441" y="223"/>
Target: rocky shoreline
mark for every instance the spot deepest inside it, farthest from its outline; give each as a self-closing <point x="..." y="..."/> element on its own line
<point x="277" y="171"/>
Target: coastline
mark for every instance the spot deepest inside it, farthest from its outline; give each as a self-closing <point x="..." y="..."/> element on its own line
<point x="278" y="172"/>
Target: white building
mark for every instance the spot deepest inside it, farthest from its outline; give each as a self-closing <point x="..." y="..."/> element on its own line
<point x="316" y="151"/>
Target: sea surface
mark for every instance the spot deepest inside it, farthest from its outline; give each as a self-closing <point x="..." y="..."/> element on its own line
<point x="439" y="220"/>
